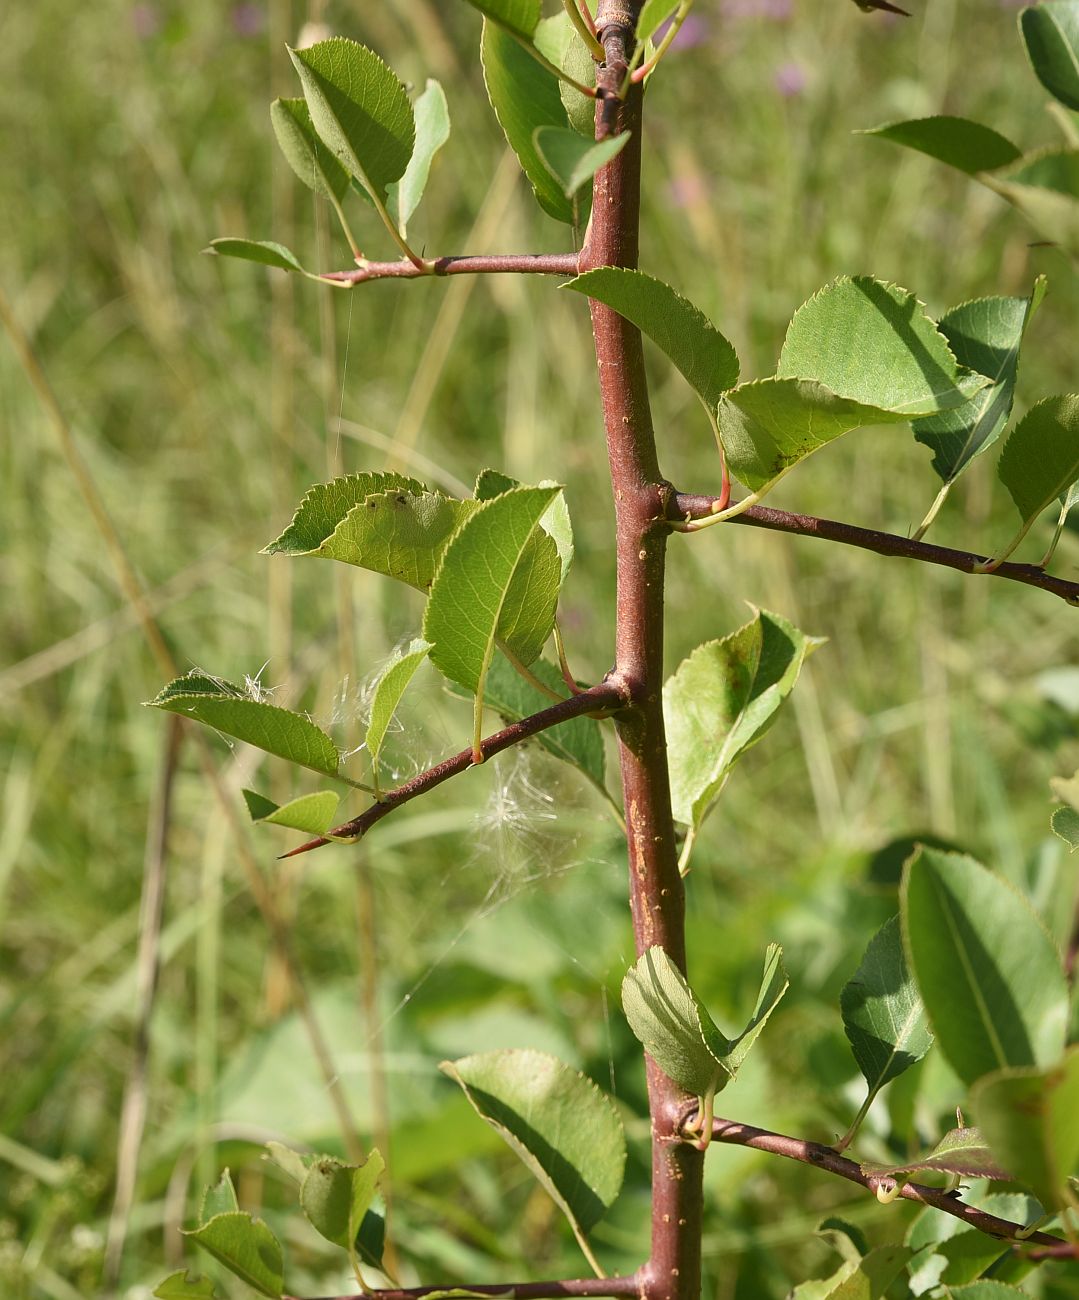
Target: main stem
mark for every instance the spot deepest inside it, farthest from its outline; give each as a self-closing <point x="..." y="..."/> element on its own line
<point x="657" y="896"/>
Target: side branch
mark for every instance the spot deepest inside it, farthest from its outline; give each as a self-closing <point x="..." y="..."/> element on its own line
<point x="605" y="696"/>
<point x="615" y="1287"/>
<point x="822" y="1157"/>
<point x="686" y="506"/>
<point x="465" y="264"/>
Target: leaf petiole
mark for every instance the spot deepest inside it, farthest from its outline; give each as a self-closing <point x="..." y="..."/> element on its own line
<point x="585" y="28"/>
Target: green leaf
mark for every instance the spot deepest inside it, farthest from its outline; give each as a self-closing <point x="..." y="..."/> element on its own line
<point x="336" y="1197"/>
<point x="1040" y="460"/>
<point x="988" y="972"/>
<point x="219" y="1198"/>
<point x="676" y="1030"/>
<point x="578" y="741"/>
<point x="872" y="343"/>
<point x="325" y="505"/>
<point x="185" y="1286"/>
<point x="864" y="1279"/>
<point x="1031" y="1118"/>
<point x="721" y="700"/>
<point x="1065" y="823"/>
<point x="883" y="1015"/>
<point x="257" y="250"/>
<point x="1051" y="33"/>
<point x="390" y="686"/>
<point x="524" y="97"/>
<point x="554" y="1119"/>
<point x="673" y="1025"/>
<point x="359" y="108"/>
<point x="570" y="54"/>
<point x="555" y="521"/>
<point x="684" y="333"/>
<point x="472" y="600"/>
<point x="292" y="1162"/>
<point x="224" y="706"/>
<point x="246" y="1247"/>
<point x="985" y="336"/>
<point x="1044" y="186"/>
<point x="310" y="813"/>
<point x="986" y="1289"/>
<point x="963" y="1151"/>
<point x="432" y="131"/>
<point x="653" y="13"/>
<point x="520" y="16"/>
<point x="960" y="143"/>
<point x="305" y="153"/>
<point x="571" y="159"/>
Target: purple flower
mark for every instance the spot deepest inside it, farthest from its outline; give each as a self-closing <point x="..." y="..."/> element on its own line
<point x="694" y="31"/>
<point x="790" y="79"/>
<point x="248" y="20"/>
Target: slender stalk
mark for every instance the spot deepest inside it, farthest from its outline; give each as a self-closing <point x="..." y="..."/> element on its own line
<point x="657" y="896"/>
<point x="616" y="1287"/>
<point x="687" y="506"/>
<point x="932" y="513"/>
<point x="639" y="74"/>
<point x="826" y="1158"/>
<point x="461" y="264"/>
<point x="585" y="28"/>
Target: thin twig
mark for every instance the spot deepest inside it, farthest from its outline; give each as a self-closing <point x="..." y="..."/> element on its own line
<point x="463" y="264"/>
<point x="828" y="1159"/>
<point x="615" y="1287"/>
<point x="607" y="695"/>
<point x="685" y="506"/>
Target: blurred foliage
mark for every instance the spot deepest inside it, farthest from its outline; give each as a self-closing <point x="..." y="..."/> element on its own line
<point x="207" y="395"/>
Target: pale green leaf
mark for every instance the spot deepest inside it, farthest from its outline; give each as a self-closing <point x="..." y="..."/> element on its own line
<point x="336" y="1197"/>
<point x="311" y="813"/>
<point x="1040" y="460"/>
<point x="561" y="44"/>
<point x="985" y="336"/>
<point x="682" y="331"/>
<point x="185" y="1286"/>
<point x="986" y="1289"/>
<point x="1031" y="1118"/>
<point x="858" y="1279"/>
<point x="359" y="108"/>
<point x="218" y="1198"/>
<point x="1044" y="186"/>
<point x="432" y="131"/>
<point x="304" y="152"/>
<point x="325" y="505"/>
<point x="962" y="1151"/>
<point x="257" y="250"/>
<point x="1065" y="824"/>
<point x="390" y="686"/>
<point x="225" y="707"/>
<point x="768" y="425"/>
<point x="672" y="1025"/>
<point x="1051" y="33"/>
<point x="653" y="14"/>
<point x="555" y="521"/>
<point x="571" y="158"/>
<point x="883" y="1015"/>
<point x="721" y="700"/>
<point x="774" y="983"/>
<point x="524" y="97"/>
<point x="469" y="599"/>
<point x="554" y="1119"/>
<point x="872" y="343"/>
<point x="578" y="741"/>
<point x="246" y="1247"/>
<point x="968" y="146"/>
<point x="520" y="16"/>
<point x="989" y="975"/>
<point x="294" y="1163"/>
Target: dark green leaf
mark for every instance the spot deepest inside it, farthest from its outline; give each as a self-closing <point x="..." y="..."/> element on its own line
<point x="963" y="1151"/>
<point x="571" y="158"/>
<point x="524" y="97"/>
<point x="227" y="708"/>
<point x="685" y="334"/>
<point x="305" y="153"/>
<point x="969" y="146"/>
<point x="555" y="1120"/>
<point x="989" y="975"/>
<point x="359" y="108"/>
<point x="336" y="1197"/>
<point x="1065" y="823"/>
<point x="1031" y="1118"/>
<point x="883" y="1014"/>
<point x="1051" y="33"/>
<point x="185" y="1286"/>
<point x="247" y="1248"/>
<point x="256" y="250"/>
<point x="520" y="16"/>
<point x="985" y="336"/>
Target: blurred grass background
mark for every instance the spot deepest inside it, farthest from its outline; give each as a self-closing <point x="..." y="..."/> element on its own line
<point x="206" y="395"/>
